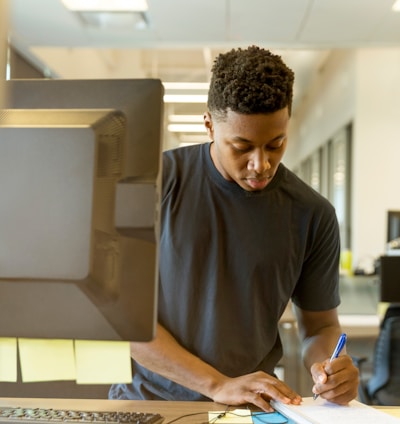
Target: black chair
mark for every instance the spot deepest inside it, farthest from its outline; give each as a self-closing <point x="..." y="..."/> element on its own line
<point x="383" y="387"/>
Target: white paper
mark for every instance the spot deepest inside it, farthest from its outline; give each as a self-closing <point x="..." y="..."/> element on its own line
<point x="321" y="411"/>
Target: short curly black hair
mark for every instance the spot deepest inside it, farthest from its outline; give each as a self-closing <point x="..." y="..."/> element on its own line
<point x="249" y="81"/>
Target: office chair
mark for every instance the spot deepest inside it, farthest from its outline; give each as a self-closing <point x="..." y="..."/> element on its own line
<point x="383" y="387"/>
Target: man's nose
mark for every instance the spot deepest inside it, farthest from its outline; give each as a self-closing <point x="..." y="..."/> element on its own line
<point x="259" y="161"/>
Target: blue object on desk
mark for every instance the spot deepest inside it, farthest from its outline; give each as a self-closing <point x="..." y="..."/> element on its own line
<point x="270" y="418"/>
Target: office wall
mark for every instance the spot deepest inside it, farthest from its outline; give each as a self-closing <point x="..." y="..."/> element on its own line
<point x="3" y="49"/>
<point x="360" y="86"/>
<point x="328" y="106"/>
<point x="376" y="147"/>
<point x="22" y="68"/>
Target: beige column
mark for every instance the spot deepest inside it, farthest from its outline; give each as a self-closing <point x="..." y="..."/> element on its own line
<point x="3" y="48"/>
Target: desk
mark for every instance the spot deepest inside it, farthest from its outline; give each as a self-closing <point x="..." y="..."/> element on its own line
<point x="391" y="410"/>
<point x="169" y="410"/>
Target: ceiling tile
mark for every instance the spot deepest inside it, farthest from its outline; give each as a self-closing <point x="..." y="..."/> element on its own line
<point x="266" y="21"/>
<point x="345" y="22"/>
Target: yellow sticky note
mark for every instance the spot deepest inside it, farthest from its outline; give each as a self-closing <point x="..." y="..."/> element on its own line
<point x="382" y="308"/>
<point x="46" y="359"/>
<point x="8" y="359"/>
<point x="101" y="362"/>
<point x="237" y="416"/>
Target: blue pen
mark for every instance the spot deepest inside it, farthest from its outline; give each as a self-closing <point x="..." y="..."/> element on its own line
<point x="339" y="347"/>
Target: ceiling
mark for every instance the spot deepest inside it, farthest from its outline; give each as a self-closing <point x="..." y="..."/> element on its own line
<point x="184" y="36"/>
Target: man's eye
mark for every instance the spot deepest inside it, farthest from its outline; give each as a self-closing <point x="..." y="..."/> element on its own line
<point x="241" y="147"/>
<point x="275" y="145"/>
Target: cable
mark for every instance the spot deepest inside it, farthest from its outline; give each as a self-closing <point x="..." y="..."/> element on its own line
<point x="262" y="417"/>
<point x="221" y="415"/>
<point x="185" y="416"/>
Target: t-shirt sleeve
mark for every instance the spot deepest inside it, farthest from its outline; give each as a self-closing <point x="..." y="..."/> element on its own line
<point x="318" y="285"/>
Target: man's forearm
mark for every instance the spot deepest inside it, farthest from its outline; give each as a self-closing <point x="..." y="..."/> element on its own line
<point x="168" y="358"/>
<point x="319" y="347"/>
<point x="319" y="333"/>
<point x="165" y="356"/>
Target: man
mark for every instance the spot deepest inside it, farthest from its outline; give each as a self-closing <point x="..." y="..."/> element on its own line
<point x="241" y="236"/>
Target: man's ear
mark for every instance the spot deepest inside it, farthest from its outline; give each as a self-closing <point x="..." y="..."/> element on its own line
<point x="208" y="123"/>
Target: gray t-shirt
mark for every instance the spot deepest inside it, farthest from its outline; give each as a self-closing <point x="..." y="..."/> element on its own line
<point x="230" y="260"/>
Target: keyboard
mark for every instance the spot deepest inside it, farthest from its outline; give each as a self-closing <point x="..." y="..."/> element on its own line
<point x="41" y="415"/>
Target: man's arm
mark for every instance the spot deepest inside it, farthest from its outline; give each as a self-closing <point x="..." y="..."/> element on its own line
<point x="336" y="381"/>
<point x="165" y="356"/>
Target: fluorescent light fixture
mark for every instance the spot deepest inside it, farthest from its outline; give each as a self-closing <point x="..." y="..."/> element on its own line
<point x="116" y="20"/>
<point x="110" y="13"/>
<point x="396" y="6"/>
<point x="185" y="118"/>
<point x="186" y="85"/>
<point x="194" y="128"/>
<point x="106" y="5"/>
<point x="185" y="92"/>
<point x="185" y="98"/>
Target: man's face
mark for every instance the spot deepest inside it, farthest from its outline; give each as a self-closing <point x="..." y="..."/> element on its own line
<point x="247" y="149"/>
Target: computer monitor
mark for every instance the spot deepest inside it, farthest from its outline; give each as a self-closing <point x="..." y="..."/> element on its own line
<point x="393" y="225"/>
<point x="79" y="216"/>
<point x="389" y="272"/>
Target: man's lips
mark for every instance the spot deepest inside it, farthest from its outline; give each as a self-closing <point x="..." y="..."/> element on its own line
<point x="258" y="183"/>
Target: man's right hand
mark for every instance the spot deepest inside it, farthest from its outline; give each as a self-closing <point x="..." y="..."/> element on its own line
<point x="257" y="388"/>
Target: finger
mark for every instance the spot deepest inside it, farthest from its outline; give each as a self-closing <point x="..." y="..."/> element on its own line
<point x="287" y="395"/>
<point x="259" y="400"/>
<point x="318" y="374"/>
<point x="341" y="363"/>
<point x="339" y="375"/>
<point x="340" y="387"/>
<point x="280" y="392"/>
<point x="324" y="384"/>
<point x="341" y="394"/>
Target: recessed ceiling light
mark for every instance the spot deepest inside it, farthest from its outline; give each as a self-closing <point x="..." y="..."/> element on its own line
<point x="396" y="6"/>
<point x="106" y="5"/>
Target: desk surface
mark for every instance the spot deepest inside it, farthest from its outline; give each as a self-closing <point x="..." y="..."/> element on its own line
<point x="169" y="410"/>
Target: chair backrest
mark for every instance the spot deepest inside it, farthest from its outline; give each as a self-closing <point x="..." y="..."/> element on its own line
<point x="384" y="385"/>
